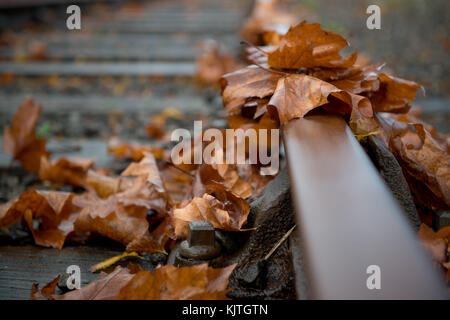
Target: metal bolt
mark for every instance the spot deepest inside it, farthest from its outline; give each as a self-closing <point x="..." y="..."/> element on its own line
<point x="201" y="243"/>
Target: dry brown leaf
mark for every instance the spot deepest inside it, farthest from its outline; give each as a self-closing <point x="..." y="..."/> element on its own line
<point x="394" y="94"/>
<point x="53" y="212"/>
<point x="224" y="211"/>
<point x="105" y="287"/>
<point x="20" y="139"/>
<point x="104" y="185"/>
<point x="308" y="46"/>
<point x="298" y="94"/>
<point x="249" y="82"/>
<point x="65" y="171"/>
<point x="424" y="160"/>
<point x="123" y="216"/>
<point x="198" y="282"/>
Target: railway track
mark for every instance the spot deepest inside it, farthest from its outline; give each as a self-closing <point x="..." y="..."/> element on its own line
<point x="123" y="50"/>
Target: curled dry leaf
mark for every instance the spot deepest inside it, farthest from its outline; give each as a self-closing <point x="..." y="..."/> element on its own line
<point x="51" y="211"/>
<point x="104" y="186"/>
<point x="225" y="174"/>
<point x="65" y="171"/>
<point x="308" y="46"/>
<point x="198" y="282"/>
<point x="224" y="211"/>
<point x="20" y="138"/>
<point x="394" y="94"/>
<point x="123" y="216"/>
<point x="296" y="95"/>
<point x="249" y="82"/>
<point x="424" y="160"/>
<point x="105" y="287"/>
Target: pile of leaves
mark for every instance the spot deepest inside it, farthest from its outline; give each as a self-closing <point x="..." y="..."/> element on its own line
<point x="147" y="207"/>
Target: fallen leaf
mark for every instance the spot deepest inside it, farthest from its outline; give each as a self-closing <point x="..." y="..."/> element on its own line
<point x="424" y="160"/>
<point x="65" y="171"/>
<point x="198" y="282"/>
<point x="52" y="211"/>
<point x="20" y="139"/>
<point x="394" y="94"/>
<point x="224" y="211"/>
<point x="105" y="287"/>
<point x="308" y="46"/>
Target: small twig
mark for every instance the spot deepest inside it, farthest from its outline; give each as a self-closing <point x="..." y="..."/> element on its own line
<point x="279" y="243"/>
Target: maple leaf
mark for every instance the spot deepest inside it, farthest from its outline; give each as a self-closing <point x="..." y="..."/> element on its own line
<point x="65" y="171"/>
<point x="53" y="209"/>
<point x="308" y="46"/>
<point x="297" y="94"/>
<point x="198" y="282"/>
<point x="20" y="139"/>
<point x="252" y="81"/>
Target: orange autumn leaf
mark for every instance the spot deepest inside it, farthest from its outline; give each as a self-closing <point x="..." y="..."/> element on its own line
<point x="424" y="160"/>
<point x="224" y="211"/>
<point x="20" y="139"/>
<point x="168" y="282"/>
<point x="308" y="46"/>
<point x="65" y="171"/>
<point x="123" y="215"/>
<point x="224" y="174"/>
<point x="249" y="82"/>
<point x="394" y="94"/>
<point x="105" y="287"/>
<point x="297" y="94"/>
<point x="53" y="209"/>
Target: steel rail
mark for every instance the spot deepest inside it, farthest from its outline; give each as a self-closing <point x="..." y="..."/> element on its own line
<point x="348" y="219"/>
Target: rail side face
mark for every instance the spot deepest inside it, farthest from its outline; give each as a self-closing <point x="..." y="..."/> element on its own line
<point x="348" y="220"/>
